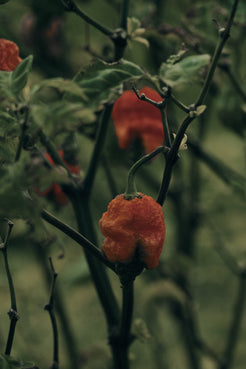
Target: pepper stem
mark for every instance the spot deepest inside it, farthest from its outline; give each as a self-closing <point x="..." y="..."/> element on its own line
<point x="131" y="189"/>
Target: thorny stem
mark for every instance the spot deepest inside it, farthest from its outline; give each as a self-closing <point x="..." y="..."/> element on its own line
<point x="77" y="237"/>
<point x="172" y="155"/>
<point x="72" y="7"/>
<point x="50" y="308"/>
<point x="13" y="315"/>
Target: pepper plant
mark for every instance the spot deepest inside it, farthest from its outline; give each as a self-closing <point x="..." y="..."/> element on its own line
<point x="52" y="110"/>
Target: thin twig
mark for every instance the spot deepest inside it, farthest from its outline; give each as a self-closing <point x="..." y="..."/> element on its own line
<point x="13" y="314"/>
<point x="72" y="7"/>
<point x="50" y="308"/>
<point x="235" y="326"/>
<point x="234" y="81"/>
<point x="77" y="237"/>
<point x="172" y="155"/>
<point x="101" y="134"/>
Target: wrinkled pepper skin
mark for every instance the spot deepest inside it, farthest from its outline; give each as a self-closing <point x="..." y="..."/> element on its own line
<point x="55" y="190"/>
<point x="9" y="55"/>
<point x="133" y="227"/>
<point x="134" y="118"/>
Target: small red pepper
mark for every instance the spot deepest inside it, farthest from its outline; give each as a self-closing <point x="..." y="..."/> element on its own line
<point x="132" y="228"/>
<point x="134" y="118"/>
<point x="9" y="55"/>
<point x="55" y="190"/>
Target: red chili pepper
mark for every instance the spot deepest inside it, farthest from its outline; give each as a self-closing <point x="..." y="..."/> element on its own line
<point x="55" y="190"/>
<point x="134" y="118"/>
<point x="133" y="227"/>
<point x="9" y="55"/>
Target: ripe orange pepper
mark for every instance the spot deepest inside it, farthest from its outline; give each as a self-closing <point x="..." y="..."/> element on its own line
<point x="55" y="190"/>
<point x="9" y="55"/>
<point x="133" y="228"/>
<point x="134" y="118"/>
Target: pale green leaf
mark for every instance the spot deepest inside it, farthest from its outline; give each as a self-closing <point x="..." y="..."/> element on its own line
<point x="101" y="80"/>
<point x="185" y="71"/>
<point x="19" y="76"/>
<point x="62" y="85"/>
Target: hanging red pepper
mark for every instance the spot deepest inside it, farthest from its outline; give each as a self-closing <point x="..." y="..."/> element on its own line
<point x="55" y="191"/>
<point x="134" y="118"/>
<point x="133" y="228"/>
<point x="9" y="55"/>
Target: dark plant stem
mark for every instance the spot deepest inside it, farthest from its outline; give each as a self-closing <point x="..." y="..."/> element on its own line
<point x="70" y="342"/>
<point x="72" y="7"/>
<point x="121" y="342"/>
<point x="179" y="104"/>
<point x="172" y="155"/>
<point x="228" y="175"/>
<point x="76" y="236"/>
<point x="50" y="308"/>
<point x="110" y="178"/>
<point x="224" y="35"/>
<point x="188" y="342"/>
<point x="97" y="269"/>
<point x="240" y="301"/>
<point x="13" y="314"/>
<point x="171" y="158"/>
<point x="124" y="14"/>
<point x="161" y="105"/>
<point x="165" y="127"/>
<point x="235" y="323"/>
<point x="100" y="139"/>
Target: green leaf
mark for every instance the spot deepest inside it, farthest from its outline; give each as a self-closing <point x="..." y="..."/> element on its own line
<point x="8" y="362"/>
<point x="4" y="1"/>
<point x="62" y="85"/>
<point x="5" y="82"/>
<point x="185" y="71"/>
<point x="135" y="31"/>
<point x="19" y="76"/>
<point x="15" y="180"/>
<point x="101" y="80"/>
<point x="7" y="149"/>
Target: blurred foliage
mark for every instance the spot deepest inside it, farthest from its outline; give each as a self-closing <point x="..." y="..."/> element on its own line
<point x="205" y="210"/>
